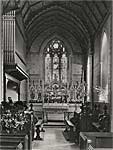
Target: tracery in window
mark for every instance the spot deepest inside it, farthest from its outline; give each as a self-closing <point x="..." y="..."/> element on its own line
<point x="55" y="68"/>
<point x="104" y="61"/>
<point x="103" y="95"/>
<point x="48" y="68"/>
<point x="64" y="68"/>
<point x="55" y="62"/>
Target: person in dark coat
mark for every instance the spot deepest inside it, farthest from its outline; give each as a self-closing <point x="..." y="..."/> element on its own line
<point x="75" y="118"/>
<point x="37" y="126"/>
<point x="76" y="121"/>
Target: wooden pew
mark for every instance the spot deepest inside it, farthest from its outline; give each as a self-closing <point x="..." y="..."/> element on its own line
<point x="70" y="129"/>
<point x="82" y="141"/>
<point x="6" y="144"/>
<point x="96" y="140"/>
<point x="18" y="137"/>
<point x="9" y="147"/>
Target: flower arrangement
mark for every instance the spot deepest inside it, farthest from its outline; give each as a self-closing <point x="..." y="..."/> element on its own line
<point x="102" y="93"/>
<point x="11" y="124"/>
<point x="14" y="117"/>
<point x="14" y="123"/>
<point x="79" y="91"/>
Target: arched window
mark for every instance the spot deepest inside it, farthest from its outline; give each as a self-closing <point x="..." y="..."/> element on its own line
<point x="104" y="61"/>
<point x="104" y="69"/>
<point x="55" y="62"/>
<point x="64" y="68"/>
<point x="48" y="68"/>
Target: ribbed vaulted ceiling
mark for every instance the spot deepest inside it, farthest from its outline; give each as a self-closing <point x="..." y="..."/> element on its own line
<point x="79" y="20"/>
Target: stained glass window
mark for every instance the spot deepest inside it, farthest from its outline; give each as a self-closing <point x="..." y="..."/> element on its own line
<point x="55" y="67"/>
<point x="64" y="68"/>
<point x="55" y="62"/>
<point x="104" y="61"/>
<point x="48" y="68"/>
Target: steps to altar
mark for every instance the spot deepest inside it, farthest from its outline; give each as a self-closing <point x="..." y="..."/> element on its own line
<point x="53" y="124"/>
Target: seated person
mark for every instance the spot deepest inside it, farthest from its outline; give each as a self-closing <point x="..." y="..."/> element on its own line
<point x="76" y="115"/>
<point x="37" y="132"/>
<point x="41" y="128"/>
<point x="10" y="101"/>
<point x="76" y="121"/>
<point x="39" y="96"/>
<point x="75" y="118"/>
<point x="37" y="126"/>
<point x="65" y="99"/>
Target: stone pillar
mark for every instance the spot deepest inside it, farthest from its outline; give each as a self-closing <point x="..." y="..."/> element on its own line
<point x="1" y="55"/>
<point x="90" y="78"/>
<point x="112" y="73"/>
<point x="43" y="77"/>
<point x="70" y="68"/>
<point x="19" y="91"/>
<point x="84" y="69"/>
<point x="84" y="78"/>
<point x="27" y="90"/>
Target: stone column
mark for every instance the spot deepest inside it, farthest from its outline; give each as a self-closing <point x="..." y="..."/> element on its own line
<point x="90" y="78"/>
<point x="27" y="90"/>
<point x="1" y="55"/>
<point x="43" y="77"/>
<point x="84" y="76"/>
<point x="70" y="68"/>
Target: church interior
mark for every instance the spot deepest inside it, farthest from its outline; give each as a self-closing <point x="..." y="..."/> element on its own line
<point x="56" y="75"/>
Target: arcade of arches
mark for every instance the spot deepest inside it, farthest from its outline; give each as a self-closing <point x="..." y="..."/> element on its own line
<point x="56" y="58"/>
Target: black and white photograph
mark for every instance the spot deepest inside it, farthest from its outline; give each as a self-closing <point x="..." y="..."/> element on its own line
<point x="56" y="75"/>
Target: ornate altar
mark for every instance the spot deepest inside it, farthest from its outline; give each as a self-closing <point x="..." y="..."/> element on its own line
<point x="55" y="93"/>
<point x="55" y="99"/>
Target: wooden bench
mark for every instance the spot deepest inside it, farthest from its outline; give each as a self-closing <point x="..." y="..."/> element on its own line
<point x="70" y="129"/>
<point x="94" y="140"/>
<point x="91" y="148"/>
<point x="6" y="144"/>
<point x="10" y="147"/>
<point x="12" y="138"/>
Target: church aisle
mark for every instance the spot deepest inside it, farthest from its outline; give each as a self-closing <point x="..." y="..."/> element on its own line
<point x="53" y="139"/>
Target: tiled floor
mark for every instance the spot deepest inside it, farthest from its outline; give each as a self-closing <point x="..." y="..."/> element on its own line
<point x="53" y="139"/>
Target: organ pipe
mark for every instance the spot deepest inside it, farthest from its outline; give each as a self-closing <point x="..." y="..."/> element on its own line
<point x="9" y="36"/>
